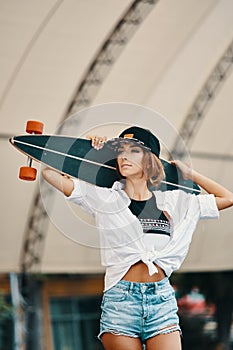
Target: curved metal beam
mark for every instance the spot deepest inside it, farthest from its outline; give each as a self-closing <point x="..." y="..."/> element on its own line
<point x="203" y="102"/>
<point x="109" y="53"/>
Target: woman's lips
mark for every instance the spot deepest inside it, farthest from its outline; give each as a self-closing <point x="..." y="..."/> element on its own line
<point x="125" y="165"/>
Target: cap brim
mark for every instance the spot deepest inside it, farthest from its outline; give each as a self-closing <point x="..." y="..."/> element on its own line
<point x="116" y="142"/>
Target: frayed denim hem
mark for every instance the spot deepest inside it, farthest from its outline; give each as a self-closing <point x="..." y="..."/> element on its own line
<point x="164" y="331"/>
<point x="167" y="330"/>
<point x="115" y="332"/>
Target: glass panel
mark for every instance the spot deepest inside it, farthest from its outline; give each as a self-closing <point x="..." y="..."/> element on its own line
<point x="61" y="306"/>
<point x="64" y="336"/>
<point x="6" y="324"/>
<point x="75" y="323"/>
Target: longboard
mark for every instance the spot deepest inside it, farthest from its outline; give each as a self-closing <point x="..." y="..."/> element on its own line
<point x="76" y="157"/>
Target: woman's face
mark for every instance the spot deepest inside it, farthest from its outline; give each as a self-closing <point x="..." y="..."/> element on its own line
<point x="129" y="159"/>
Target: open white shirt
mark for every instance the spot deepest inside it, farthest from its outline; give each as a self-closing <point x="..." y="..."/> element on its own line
<point x="121" y="234"/>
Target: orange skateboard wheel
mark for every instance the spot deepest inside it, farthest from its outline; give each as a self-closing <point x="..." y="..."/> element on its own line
<point x="27" y="173"/>
<point x="34" y="127"/>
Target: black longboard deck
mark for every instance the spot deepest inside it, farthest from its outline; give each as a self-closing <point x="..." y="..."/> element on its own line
<point x="77" y="158"/>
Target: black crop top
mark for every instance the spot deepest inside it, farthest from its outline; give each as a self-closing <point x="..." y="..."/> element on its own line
<point x="151" y="218"/>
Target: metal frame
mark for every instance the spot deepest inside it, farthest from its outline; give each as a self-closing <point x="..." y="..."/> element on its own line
<point x="34" y="238"/>
<point x="109" y="53"/>
<point x="203" y="102"/>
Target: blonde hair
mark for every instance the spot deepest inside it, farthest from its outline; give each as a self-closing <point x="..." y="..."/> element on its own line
<point x="153" y="169"/>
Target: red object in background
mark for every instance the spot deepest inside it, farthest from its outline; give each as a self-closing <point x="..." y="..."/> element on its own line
<point x="194" y="303"/>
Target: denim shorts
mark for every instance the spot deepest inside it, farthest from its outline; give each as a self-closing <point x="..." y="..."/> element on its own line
<point x="139" y="310"/>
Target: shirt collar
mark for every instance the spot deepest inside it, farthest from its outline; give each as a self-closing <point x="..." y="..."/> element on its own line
<point x="118" y="185"/>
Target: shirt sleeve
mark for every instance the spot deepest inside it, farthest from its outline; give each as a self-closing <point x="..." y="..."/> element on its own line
<point x="208" y="206"/>
<point x="175" y="202"/>
<point x="180" y="204"/>
<point x="94" y="199"/>
<point x="78" y="195"/>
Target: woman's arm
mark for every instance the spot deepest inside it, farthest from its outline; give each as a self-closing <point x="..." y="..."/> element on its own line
<point x="64" y="183"/>
<point x="224" y="197"/>
<point x="60" y="182"/>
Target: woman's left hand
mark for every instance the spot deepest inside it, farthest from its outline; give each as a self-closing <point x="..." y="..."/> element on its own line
<point x="185" y="169"/>
<point x="223" y="197"/>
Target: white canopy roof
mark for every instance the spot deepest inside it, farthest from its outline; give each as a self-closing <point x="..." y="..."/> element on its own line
<point x="176" y="58"/>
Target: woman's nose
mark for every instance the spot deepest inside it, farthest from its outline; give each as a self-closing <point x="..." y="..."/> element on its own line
<point x="123" y="155"/>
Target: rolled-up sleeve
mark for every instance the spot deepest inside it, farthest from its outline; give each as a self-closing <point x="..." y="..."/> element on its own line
<point x="78" y="192"/>
<point x="208" y="206"/>
<point x="79" y="195"/>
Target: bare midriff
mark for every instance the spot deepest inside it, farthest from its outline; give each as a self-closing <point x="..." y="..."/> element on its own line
<point x="139" y="273"/>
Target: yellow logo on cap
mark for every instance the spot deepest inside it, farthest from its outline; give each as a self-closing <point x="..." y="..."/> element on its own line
<point x="128" y="136"/>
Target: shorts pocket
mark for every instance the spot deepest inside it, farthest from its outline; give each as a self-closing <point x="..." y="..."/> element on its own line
<point x="115" y="294"/>
<point x="167" y="294"/>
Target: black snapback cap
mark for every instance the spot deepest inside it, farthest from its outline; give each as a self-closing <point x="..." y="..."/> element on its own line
<point x="143" y="137"/>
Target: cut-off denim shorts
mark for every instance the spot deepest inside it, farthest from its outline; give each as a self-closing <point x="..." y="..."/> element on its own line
<point x="139" y="310"/>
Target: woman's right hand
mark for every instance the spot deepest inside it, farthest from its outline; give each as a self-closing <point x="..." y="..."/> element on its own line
<point x="97" y="141"/>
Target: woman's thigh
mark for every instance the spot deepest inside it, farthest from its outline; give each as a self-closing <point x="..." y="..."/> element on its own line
<point x="120" y="342"/>
<point x="169" y="341"/>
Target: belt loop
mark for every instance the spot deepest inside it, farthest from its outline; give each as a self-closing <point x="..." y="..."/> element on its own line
<point x="131" y="286"/>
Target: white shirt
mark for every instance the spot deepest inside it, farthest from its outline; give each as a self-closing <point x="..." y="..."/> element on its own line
<point x="121" y="234"/>
<point x="157" y="242"/>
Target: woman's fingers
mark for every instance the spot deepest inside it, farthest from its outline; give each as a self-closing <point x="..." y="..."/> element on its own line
<point x="97" y="141"/>
<point x="185" y="168"/>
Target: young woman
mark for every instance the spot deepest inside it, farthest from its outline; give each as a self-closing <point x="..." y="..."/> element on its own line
<point x="144" y="237"/>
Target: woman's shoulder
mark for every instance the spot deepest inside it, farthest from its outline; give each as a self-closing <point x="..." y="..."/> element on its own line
<point x="172" y="200"/>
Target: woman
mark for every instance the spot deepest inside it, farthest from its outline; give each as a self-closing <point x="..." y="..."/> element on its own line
<point x="144" y="237"/>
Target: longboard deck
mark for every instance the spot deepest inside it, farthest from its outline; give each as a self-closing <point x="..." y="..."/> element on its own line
<point x="77" y="158"/>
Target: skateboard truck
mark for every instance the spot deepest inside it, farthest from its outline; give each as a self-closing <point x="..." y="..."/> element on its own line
<point x="28" y="173"/>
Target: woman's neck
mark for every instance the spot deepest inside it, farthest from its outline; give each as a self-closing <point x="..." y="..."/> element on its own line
<point x="137" y="189"/>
